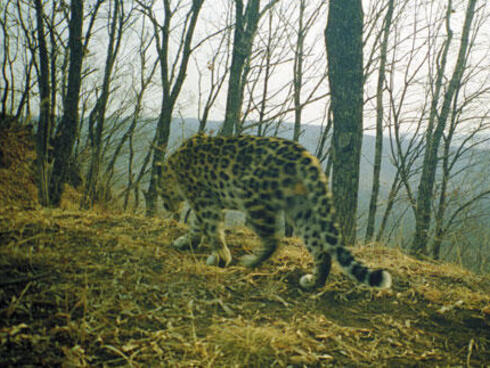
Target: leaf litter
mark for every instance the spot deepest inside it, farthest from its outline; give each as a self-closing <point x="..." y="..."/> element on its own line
<point x="99" y="289"/>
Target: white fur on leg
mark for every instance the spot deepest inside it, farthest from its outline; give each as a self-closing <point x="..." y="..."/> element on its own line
<point x="249" y="260"/>
<point x="182" y="242"/>
<point x="386" y="283"/>
<point x="307" y="281"/>
<point x="212" y="260"/>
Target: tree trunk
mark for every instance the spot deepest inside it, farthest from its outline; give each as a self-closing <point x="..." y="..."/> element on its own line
<point x="170" y="92"/>
<point x="373" y="203"/>
<point x="343" y="37"/>
<point x="42" y="137"/>
<point x="136" y="184"/>
<point x="298" y="73"/>
<point x="161" y="141"/>
<point x="297" y="85"/>
<point x="427" y="180"/>
<point x="67" y="130"/>
<point x="97" y="115"/>
<point x="395" y="187"/>
<point x="245" y="28"/>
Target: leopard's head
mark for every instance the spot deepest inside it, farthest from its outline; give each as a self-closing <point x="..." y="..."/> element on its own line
<point x="168" y="190"/>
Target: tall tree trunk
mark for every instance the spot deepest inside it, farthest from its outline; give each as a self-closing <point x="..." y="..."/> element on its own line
<point x="245" y="27"/>
<point x="395" y="187"/>
<point x="67" y="130"/>
<point x="142" y="171"/>
<point x="297" y="86"/>
<point x="298" y="73"/>
<point x="433" y="138"/>
<point x="161" y="142"/>
<point x="343" y="37"/>
<point x="53" y="61"/>
<point x="97" y="115"/>
<point x="171" y="90"/>
<point x="44" y="125"/>
<point x="261" y="129"/>
<point x="373" y="203"/>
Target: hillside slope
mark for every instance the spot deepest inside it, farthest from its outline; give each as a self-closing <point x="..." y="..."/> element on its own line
<point x="17" y="184"/>
<point x="86" y="289"/>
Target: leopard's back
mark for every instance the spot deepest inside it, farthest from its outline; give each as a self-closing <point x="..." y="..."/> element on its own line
<point x="237" y="170"/>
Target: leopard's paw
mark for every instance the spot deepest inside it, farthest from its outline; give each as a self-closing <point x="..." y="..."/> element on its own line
<point x="212" y="260"/>
<point x="249" y="260"/>
<point x="307" y="281"/>
<point x="182" y="243"/>
<point x="216" y="260"/>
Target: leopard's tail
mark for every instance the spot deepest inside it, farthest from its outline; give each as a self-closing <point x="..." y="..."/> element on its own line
<point x="334" y="245"/>
<point x="375" y="278"/>
<point x="319" y="208"/>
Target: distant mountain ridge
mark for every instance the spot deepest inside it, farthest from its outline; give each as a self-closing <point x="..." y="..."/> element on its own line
<point x="184" y="128"/>
<point x="401" y="220"/>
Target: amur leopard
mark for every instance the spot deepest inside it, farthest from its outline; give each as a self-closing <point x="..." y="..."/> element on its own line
<point x="263" y="177"/>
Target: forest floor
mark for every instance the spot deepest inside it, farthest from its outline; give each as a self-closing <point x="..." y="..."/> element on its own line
<point x="94" y="289"/>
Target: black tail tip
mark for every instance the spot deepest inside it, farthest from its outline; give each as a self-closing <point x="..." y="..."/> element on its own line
<point x="380" y="279"/>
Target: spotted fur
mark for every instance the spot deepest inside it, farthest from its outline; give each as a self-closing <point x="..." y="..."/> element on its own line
<point x="261" y="176"/>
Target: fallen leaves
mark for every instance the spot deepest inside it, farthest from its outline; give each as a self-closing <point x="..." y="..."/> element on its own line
<point x="83" y="289"/>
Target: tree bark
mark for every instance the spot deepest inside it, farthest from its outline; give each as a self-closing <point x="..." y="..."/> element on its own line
<point x="343" y="37"/>
<point x="433" y="138"/>
<point x="298" y="72"/>
<point x="245" y="28"/>
<point x="67" y="130"/>
<point x="171" y="90"/>
<point x="44" y="125"/>
<point x="97" y="115"/>
<point x="373" y="202"/>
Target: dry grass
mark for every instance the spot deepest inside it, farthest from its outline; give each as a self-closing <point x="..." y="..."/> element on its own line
<point x="17" y="187"/>
<point x="86" y="289"/>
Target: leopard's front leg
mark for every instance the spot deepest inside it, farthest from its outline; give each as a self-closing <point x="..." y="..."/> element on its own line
<point x="221" y="255"/>
<point x="213" y="230"/>
<point x="187" y="241"/>
<point x="190" y="240"/>
<point x="207" y="225"/>
<point x="211" y="217"/>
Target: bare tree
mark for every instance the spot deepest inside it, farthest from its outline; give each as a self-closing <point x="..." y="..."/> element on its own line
<point x="45" y="123"/>
<point x="213" y="70"/>
<point x="97" y="116"/>
<point x="437" y="123"/>
<point x="405" y="148"/>
<point x="269" y="98"/>
<point x="459" y="160"/>
<point x="67" y="129"/>
<point x="246" y="24"/>
<point x="343" y="37"/>
<point x="143" y="80"/>
<point x="264" y="104"/>
<point x="305" y="22"/>
<point x="379" y="123"/>
<point x="6" y="62"/>
<point x="173" y="74"/>
<point x="15" y="57"/>
<point x="415" y="71"/>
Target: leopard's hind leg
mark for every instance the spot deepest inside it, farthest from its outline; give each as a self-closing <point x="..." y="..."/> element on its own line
<point x="303" y="219"/>
<point x="191" y="239"/>
<point x="264" y="223"/>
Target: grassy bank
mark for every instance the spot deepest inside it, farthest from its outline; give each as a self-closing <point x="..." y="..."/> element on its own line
<point x="86" y="289"/>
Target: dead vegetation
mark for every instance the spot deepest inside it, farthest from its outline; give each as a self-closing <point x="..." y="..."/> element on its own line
<point x="87" y="289"/>
<point x="17" y="186"/>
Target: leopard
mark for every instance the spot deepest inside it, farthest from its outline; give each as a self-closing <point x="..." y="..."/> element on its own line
<point x="262" y="177"/>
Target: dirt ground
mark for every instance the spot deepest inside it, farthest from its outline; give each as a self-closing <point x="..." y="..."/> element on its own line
<point x="87" y="289"/>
